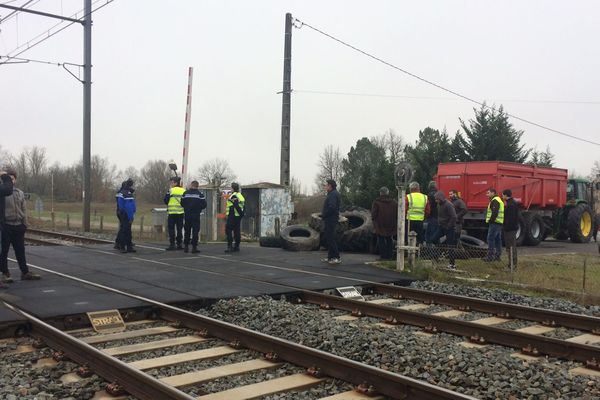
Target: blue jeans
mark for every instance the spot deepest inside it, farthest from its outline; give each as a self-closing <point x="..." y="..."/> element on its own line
<point x="494" y="240"/>
<point x="431" y="232"/>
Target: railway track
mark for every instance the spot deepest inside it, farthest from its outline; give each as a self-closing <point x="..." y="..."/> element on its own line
<point x="45" y="237"/>
<point x="101" y="354"/>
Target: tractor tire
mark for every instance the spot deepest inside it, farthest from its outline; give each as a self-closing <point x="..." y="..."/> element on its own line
<point x="580" y="223"/>
<point x="562" y="235"/>
<point x="534" y="232"/>
<point x="270" y="241"/>
<point x="358" y="237"/>
<point x="316" y="223"/>
<point x="299" y="238"/>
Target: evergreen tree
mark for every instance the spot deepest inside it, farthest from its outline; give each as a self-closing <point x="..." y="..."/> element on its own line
<point x="541" y="158"/>
<point x="432" y="147"/>
<point x="491" y="137"/>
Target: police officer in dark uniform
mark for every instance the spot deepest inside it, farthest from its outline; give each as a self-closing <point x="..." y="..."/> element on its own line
<point x="193" y="202"/>
<point x="125" y="212"/>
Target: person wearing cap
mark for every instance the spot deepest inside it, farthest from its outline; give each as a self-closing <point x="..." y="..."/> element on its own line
<point x="234" y="214"/>
<point x="125" y="212"/>
<point x="331" y="216"/>
<point x="13" y="233"/>
<point x="510" y="227"/>
<point x="384" y="213"/>
<point x="193" y="202"/>
<point x="6" y="189"/>
<point x="446" y="219"/>
<point x="175" y="213"/>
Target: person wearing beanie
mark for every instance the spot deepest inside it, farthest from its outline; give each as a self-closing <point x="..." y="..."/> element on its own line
<point x="125" y="213"/>
<point x="175" y="213"/>
<point x="13" y="233"/>
<point x="234" y="213"/>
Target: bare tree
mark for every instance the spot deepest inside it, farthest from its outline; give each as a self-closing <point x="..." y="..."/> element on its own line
<point x="393" y="144"/>
<point x="296" y="189"/>
<point x="5" y="158"/>
<point x="330" y="167"/>
<point x="154" y="179"/>
<point x="595" y="172"/>
<point x="216" y="171"/>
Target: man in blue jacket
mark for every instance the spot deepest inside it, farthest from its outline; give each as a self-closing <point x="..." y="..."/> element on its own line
<point x="125" y="213"/>
<point x="331" y="215"/>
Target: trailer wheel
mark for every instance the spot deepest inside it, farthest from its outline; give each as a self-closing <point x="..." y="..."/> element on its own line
<point x="522" y="231"/>
<point x="534" y="225"/>
<point x="299" y="238"/>
<point x="580" y="223"/>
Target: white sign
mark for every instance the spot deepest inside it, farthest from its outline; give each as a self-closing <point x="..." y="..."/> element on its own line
<point x="350" y="292"/>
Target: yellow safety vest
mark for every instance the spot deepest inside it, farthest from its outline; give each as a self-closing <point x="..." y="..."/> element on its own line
<point x="174" y="205"/>
<point x="500" y="217"/>
<point x="230" y="207"/>
<point x="416" y="206"/>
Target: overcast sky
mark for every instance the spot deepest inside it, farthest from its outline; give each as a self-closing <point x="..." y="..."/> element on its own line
<point x="537" y="58"/>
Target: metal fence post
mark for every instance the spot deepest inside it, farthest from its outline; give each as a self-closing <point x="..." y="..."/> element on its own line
<point x="68" y="222"/>
<point x="102" y="223"/>
<point x="412" y="252"/>
<point x="584" y="278"/>
<point x="53" y="217"/>
<point x="141" y="226"/>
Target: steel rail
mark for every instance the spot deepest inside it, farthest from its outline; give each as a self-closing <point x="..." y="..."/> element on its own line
<point x="67" y="236"/>
<point x="134" y="381"/>
<point x="40" y="242"/>
<point x="384" y="382"/>
<point x="504" y="310"/>
<point x="505" y="337"/>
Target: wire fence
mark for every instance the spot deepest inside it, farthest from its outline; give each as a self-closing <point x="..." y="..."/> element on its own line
<point x="574" y="274"/>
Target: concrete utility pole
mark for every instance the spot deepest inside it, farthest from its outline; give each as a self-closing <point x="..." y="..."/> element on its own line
<point x="186" y="133"/>
<point x="87" y="114"/>
<point x="286" y="103"/>
<point x="403" y="174"/>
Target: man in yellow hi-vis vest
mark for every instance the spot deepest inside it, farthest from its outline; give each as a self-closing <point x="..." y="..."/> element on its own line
<point x="175" y="213"/>
<point x="495" y="218"/>
<point x="234" y="213"/>
<point x="417" y="209"/>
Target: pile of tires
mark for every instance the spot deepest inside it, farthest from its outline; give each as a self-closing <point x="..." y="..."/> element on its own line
<point x="316" y="223"/>
<point x="300" y="238"/>
<point x="360" y="230"/>
<point x="270" y="241"/>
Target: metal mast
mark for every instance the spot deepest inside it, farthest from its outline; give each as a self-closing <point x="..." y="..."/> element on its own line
<point x="284" y="171"/>
<point x="87" y="113"/>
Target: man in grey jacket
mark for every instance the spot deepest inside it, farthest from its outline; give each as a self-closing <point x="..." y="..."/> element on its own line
<point x="13" y="233"/>
<point x="446" y="225"/>
<point x="6" y="189"/>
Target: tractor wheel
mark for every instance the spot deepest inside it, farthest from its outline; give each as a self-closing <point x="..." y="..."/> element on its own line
<point x="270" y="241"/>
<point x="316" y="222"/>
<point x="299" y="238"/>
<point x="580" y="223"/>
<point x="358" y="237"/>
<point x="534" y="233"/>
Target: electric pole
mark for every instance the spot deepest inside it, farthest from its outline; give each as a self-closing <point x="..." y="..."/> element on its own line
<point x="286" y="102"/>
<point x="87" y="114"/>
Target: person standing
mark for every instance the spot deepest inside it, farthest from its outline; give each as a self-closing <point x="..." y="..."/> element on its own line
<point x="193" y="202"/>
<point x="125" y="212"/>
<point x="331" y="215"/>
<point x="446" y="225"/>
<point x="234" y="213"/>
<point x="461" y="210"/>
<point x="384" y="213"/>
<point x="6" y="189"/>
<point x="495" y="218"/>
<point x="417" y="208"/>
<point x="511" y="227"/>
<point x="432" y="218"/>
<point x="175" y="213"/>
<point x="13" y="233"/>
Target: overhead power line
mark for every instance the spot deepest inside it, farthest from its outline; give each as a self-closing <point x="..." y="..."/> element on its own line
<point x="400" y="96"/>
<point x="300" y="24"/>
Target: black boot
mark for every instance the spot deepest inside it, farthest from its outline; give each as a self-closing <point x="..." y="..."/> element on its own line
<point x="229" y="248"/>
<point x="236" y="248"/>
<point x="179" y="246"/>
<point x="195" y="249"/>
<point x="130" y="249"/>
<point x="186" y="249"/>
<point x="123" y="249"/>
<point x="171" y="247"/>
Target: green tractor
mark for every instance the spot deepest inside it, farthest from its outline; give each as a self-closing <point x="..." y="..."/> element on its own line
<point x="578" y="220"/>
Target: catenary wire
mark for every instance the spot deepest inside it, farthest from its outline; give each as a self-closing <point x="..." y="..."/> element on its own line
<point x="299" y="24"/>
<point x="14" y="13"/>
<point x="46" y="35"/>
<point x="27" y="60"/>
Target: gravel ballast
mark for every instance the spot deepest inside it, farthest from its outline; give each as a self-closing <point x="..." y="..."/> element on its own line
<point x="489" y="372"/>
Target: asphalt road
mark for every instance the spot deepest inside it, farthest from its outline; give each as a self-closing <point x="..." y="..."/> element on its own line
<point x="552" y="246"/>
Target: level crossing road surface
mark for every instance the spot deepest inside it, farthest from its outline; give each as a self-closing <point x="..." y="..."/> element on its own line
<point x="176" y="277"/>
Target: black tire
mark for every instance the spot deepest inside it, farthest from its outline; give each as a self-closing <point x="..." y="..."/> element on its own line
<point x="562" y="235"/>
<point x="522" y="232"/>
<point x="580" y="223"/>
<point x="534" y="233"/>
<point x="270" y="241"/>
<point x="469" y="247"/>
<point x="358" y="236"/>
<point x="299" y="238"/>
<point x="316" y="223"/>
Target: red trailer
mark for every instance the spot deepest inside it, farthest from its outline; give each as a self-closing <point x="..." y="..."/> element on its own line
<point x="540" y="191"/>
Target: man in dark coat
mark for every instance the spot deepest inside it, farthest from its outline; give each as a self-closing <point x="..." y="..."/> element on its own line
<point x="193" y="202"/>
<point x="331" y="215"/>
<point x="384" y="213"/>
<point x="510" y="227"/>
<point x="461" y="210"/>
<point x="432" y="218"/>
<point x="446" y="225"/>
